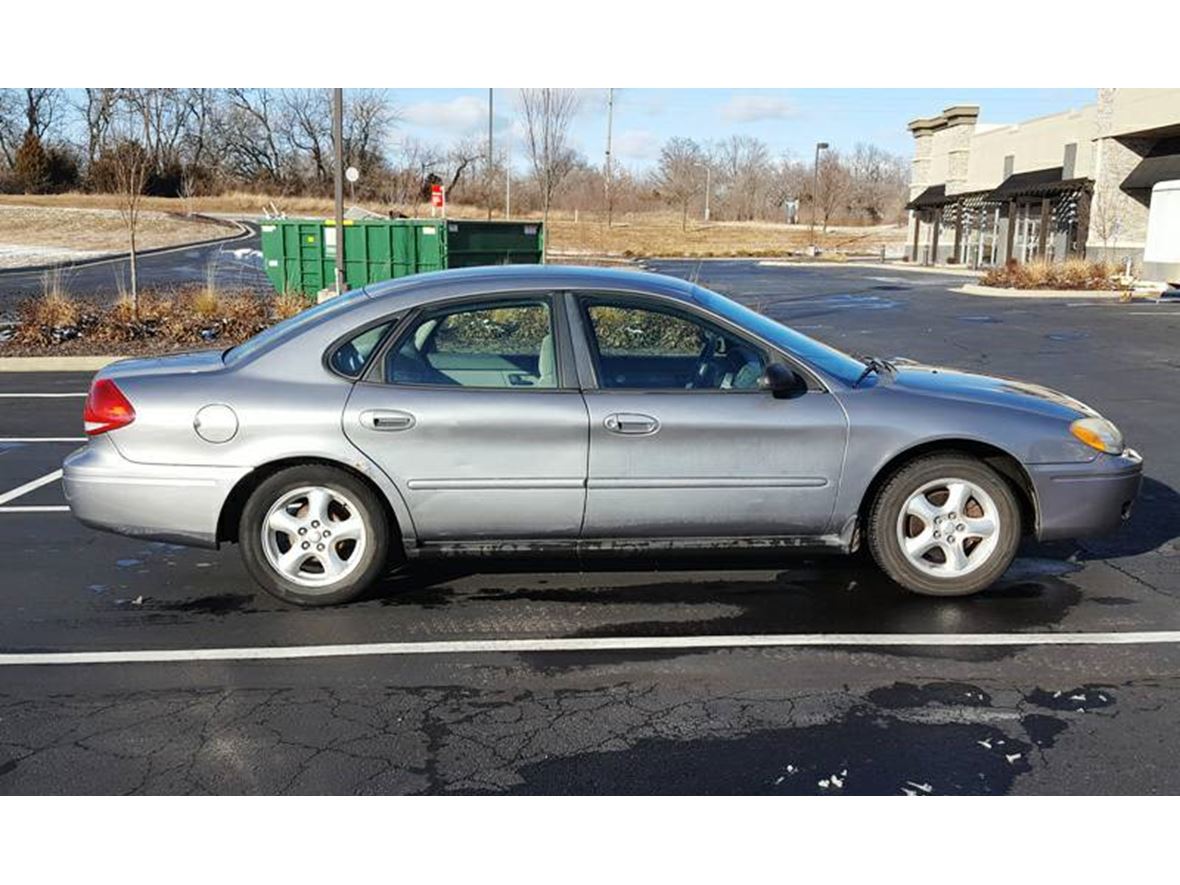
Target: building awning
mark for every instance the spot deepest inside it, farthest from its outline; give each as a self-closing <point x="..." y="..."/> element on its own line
<point x="1162" y="163"/>
<point x="931" y="198"/>
<point x="1036" y="183"/>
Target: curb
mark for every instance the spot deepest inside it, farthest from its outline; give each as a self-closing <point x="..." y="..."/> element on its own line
<point x="874" y="265"/>
<point x="1071" y="294"/>
<point x="56" y="363"/>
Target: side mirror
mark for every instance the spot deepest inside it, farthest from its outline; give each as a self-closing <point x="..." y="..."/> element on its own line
<point x="782" y="381"/>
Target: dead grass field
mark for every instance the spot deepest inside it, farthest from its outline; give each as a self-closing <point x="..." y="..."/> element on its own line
<point x="647" y="234"/>
<point x="46" y="233"/>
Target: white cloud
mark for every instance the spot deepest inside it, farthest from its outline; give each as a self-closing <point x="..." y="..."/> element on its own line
<point x="755" y="108"/>
<point x="636" y="144"/>
<point x="460" y="114"/>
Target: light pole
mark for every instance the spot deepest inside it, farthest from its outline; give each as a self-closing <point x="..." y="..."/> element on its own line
<point x="819" y="146"/>
<point x="488" y="170"/>
<point x="338" y="150"/>
<point x="610" y="114"/>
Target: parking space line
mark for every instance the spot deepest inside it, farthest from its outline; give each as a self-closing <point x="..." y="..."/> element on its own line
<point x="618" y="643"/>
<point x="39" y="395"/>
<point x="30" y="486"/>
<point x="45" y="508"/>
<point x="41" y="439"/>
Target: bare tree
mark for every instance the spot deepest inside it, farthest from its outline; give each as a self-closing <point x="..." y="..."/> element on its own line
<point x="248" y="132"/>
<point x="1106" y="214"/>
<point x="742" y="170"/>
<point x="130" y="164"/>
<point x="307" y="126"/>
<point x="548" y="114"/>
<point x="98" y="111"/>
<point x="832" y="186"/>
<point x="25" y="112"/>
<point x="679" y="174"/>
<point x="877" y="182"/>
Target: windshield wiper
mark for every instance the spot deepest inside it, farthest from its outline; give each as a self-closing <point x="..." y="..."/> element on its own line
<point x="873" y="364"/>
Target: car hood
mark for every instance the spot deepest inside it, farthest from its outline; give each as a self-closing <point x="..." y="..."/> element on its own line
<point x="171" y="364"/>
<point x="955" y="384"/>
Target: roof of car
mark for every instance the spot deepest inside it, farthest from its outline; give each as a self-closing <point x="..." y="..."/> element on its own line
<point x="500" y="278"/>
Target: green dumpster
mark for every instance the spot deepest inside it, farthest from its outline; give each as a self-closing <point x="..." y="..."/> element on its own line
<point x="474" y="243"/>
<point x="299" y="254"/>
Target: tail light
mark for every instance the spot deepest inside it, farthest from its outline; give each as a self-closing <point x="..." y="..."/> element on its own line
<point x="106" y="408"/>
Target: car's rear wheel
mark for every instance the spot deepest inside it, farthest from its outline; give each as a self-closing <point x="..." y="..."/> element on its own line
<point x="314" y="535"/>
<point x="945" y="525"/>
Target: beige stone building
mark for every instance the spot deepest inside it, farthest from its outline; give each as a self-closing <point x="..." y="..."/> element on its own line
<point x="1099" y="181"/>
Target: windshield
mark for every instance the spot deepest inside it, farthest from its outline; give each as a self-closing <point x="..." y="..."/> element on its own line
<point x="291" y="326"/>
<point x="824" y="357"/>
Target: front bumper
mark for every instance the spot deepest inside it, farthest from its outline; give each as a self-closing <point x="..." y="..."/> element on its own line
<point x="162" y="502"/>
<point x="1091" y="498"/>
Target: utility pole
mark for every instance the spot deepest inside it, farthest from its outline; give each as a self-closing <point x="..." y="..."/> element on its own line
<point x="338" y="150"/>
<point x="610" y="113"/>
<point x="488" y="168"/>
<point x="819" y="146"/>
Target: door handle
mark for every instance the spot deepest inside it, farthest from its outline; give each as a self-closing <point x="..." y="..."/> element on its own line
<point x="631" y="424"/>
<point x="386" y="419"/>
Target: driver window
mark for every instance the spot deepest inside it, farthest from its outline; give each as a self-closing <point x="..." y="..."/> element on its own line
<point x="643" y="348"/>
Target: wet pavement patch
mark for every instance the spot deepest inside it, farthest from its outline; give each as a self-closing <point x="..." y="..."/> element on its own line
<point x="1088" y="697"/>
<point x="863" y="753"/>
<point x="906" y="695"/>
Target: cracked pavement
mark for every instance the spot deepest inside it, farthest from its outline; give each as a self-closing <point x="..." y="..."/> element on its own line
<point x="913" y="721"/>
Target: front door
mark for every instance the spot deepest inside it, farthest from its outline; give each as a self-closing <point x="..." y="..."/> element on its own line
<point x="469" y="417"/>
<point x="684" y="444"/>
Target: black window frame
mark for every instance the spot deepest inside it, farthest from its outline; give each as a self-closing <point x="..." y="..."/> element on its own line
<point x="558" y="326"/>
<point x="582" y="300"/>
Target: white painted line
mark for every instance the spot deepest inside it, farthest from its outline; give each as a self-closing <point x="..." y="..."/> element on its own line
<point x="30" y="486"/>
<point x="55" y="508"/>
<point x="619" y="643"/>
<point x="38" y="395"/>
<point x="41" y="439"/>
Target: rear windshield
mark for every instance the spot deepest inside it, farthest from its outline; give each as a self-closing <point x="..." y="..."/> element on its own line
<point x="291" y="326"/>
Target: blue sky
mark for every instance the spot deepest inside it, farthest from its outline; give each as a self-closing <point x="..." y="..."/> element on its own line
<point x="788" y="120"/>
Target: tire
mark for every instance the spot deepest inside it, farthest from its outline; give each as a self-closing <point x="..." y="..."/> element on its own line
<point x="917" y="544"/>
<point x="297" y="554"/>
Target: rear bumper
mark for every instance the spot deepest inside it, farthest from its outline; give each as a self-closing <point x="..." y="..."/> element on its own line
<point x="1078" y="500"/>
<point x="161" y="502"/>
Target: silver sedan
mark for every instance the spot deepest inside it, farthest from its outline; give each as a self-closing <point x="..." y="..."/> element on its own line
<point x="501" y="410"/>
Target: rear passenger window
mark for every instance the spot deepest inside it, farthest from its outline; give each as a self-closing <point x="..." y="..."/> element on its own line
<point x="350" y="357"/>
<point x="505" y="346"/>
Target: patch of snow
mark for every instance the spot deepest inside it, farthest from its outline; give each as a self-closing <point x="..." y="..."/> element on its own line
<point x="32" y="256"/>
<point x="987" y="744"/>
<point x="1012" y="757"/>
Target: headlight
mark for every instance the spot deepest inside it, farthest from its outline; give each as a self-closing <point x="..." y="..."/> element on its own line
<point x="1098" y="433"/>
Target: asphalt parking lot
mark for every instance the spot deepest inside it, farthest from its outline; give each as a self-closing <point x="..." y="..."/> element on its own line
<point x="890" y="711"/>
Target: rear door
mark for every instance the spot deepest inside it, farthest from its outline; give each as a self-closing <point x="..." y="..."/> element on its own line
<point x="683" y="443"/>
<point x="474" y="414"/>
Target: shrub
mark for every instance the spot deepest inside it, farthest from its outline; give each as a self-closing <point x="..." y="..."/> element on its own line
<point x="1076" y="273"/>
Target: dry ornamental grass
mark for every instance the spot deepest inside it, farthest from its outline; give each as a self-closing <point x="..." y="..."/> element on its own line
<point x="1073" y="274"/>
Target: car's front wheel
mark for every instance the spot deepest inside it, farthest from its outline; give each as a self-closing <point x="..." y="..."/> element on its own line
<point x="314" y="535"/>
<point x="945" y="525"/>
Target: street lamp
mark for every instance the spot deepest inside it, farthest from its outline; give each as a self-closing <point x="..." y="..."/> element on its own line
<point x="819" y="146"/>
